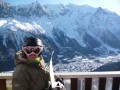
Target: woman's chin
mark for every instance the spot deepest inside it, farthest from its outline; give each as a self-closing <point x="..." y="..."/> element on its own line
<point x="31" y="57"/>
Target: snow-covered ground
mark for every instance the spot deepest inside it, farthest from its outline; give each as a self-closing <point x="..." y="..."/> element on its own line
<point x="78" y="63"/>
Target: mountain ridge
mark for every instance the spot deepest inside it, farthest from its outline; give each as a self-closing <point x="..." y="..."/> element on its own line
<point x="70" y="29"/>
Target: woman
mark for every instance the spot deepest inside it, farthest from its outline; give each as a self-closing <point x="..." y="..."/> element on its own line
<point x="30" y="73"/>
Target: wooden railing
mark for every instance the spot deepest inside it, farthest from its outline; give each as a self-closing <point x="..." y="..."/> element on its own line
<point x="3" y="78"/>
<point x="84" y="77"/>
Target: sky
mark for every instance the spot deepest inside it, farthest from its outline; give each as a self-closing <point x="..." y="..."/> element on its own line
<point x="112" y="5"/>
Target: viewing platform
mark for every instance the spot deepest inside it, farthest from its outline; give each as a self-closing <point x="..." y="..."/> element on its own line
<point x="79" y="80"/>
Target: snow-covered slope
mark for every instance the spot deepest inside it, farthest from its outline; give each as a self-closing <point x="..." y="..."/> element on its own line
<point x="72" y="30"/>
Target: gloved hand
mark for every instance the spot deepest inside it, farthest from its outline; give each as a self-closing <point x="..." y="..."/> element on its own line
<point x="60" y="83"/>
<point x="60" y="86"/>
<point x="60" y="80"/>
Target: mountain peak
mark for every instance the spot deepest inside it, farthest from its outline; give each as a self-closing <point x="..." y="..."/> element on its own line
<point x="4" y="4"/>
<point x="36" y="3"/>
<point x="100" y="11"/>
<point x="32" y="9"/>
<point x="5" y="9"/>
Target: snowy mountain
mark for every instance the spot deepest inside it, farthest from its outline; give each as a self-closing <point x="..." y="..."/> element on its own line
<point x="71" y="30"/>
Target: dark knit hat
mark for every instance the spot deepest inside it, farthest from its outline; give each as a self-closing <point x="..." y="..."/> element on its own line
<point x="32" y="41"/>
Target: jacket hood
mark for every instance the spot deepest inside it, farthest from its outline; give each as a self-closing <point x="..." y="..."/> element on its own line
<point x="20" y="57"/>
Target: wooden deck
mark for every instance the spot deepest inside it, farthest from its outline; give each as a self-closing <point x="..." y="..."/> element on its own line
<point x="77" y="77"/>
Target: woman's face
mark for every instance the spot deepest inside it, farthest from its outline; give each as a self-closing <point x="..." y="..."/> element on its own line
<point x="32" y="52"/>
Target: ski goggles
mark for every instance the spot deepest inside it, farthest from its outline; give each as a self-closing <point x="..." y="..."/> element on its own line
<point x="32" y="50"/>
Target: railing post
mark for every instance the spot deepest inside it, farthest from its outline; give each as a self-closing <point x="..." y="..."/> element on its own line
<point x="102" y="83"/>
<point x="74" y="84"/>
<point x="88" y="83"/>
<point x="3" y="84"/>
<point x="116" y="83"/>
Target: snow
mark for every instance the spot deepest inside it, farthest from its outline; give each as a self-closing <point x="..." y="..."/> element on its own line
<point x="47" y="25"/>
<point x="9" y="73"/>
<point x="72" y="19"/>
<point x="2" y="22"/>
<point x="80" y="64"/>
<point x="74" y="22"/>
<point x="15" y="24"/>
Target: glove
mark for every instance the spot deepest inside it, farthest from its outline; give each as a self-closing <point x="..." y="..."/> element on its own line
<point x="60" y="84"/>
<point x="60" y="80"/>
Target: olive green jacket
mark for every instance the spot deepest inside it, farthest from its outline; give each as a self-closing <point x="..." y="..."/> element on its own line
<point x="29" y="75"/>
